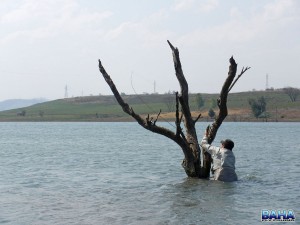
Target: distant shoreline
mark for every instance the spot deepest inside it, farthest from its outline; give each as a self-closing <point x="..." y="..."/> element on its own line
<point x="100" y="108"/>
<point x="120" y="120"/>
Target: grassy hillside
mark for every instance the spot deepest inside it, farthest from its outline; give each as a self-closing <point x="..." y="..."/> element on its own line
<point x="105" y="108"/>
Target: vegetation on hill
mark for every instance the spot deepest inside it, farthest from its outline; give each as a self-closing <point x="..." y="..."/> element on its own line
<point x="279" y="107"/>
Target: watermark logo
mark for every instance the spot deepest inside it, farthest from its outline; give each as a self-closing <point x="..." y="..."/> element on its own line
<point x="277" y="215"/>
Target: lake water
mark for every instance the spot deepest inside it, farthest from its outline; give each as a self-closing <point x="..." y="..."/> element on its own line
<point x="119" y="173"/>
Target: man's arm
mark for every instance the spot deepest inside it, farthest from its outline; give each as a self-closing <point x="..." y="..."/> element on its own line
<point x="207" y="147"/>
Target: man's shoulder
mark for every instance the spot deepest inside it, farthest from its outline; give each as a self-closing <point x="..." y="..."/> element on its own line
<point x="227" y="151"/>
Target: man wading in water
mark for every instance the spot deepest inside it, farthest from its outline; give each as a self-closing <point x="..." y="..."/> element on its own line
<point x="223" y="159"/>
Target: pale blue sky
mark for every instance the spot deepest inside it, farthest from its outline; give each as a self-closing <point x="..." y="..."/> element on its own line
<point x="48" y="44"/>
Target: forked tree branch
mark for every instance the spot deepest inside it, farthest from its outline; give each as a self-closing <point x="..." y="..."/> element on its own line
<point x="184" y="95"/>
<point x="157" y="117"/>
<point x="238" y="77"/>
<point x="222" y="101"/>
<point x="143" y="122"/>
<point x="191" y="164"/>
<point x="223" y="112"/>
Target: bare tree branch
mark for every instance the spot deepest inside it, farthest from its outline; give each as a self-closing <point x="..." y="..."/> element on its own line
<point x="238" y="77"/>
<point x="198" y="117"/>
<point x="177" y="119"/>
<point x="157" y="117"/>
<point x="144" y="123"/>
<point x="222" y="104"/>
<point x="191" y="164"/>
<point x="222" y="101"/>
<point x="179" y="131"/>
<point x="179" y="74"/>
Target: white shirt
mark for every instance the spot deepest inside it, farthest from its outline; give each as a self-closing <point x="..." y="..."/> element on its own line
<point x="222" y="157"/>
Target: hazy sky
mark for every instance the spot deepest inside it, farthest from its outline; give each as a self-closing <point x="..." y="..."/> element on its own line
<point x="48" y="44"/>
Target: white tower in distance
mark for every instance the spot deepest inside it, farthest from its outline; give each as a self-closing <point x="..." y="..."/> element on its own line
<point x="66" y="91"/>
<point x="267" y="82"/>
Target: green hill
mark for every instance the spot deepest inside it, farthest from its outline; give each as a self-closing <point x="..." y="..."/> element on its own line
<point x="105" y="108"/>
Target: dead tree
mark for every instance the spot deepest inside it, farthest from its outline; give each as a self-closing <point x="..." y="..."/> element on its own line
<point x="292" y="92"/>
<point x="187" y="140"/>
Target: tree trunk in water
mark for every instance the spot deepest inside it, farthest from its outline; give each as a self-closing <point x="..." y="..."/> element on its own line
<point x="187" y="141"/>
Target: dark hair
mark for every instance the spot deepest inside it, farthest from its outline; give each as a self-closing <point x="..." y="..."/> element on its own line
<point x="228" y="144"/>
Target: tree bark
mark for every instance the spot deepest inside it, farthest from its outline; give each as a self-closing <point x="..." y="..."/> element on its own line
<point x="187" y="141"/>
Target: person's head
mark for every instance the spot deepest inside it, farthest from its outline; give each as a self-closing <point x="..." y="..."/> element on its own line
<point x="228" y="144"/>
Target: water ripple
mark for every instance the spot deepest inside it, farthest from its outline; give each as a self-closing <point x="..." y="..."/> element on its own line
<point x="95" y="173"/>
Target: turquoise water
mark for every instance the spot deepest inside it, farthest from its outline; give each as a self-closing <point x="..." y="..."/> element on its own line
<point x="119" y="173"/>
